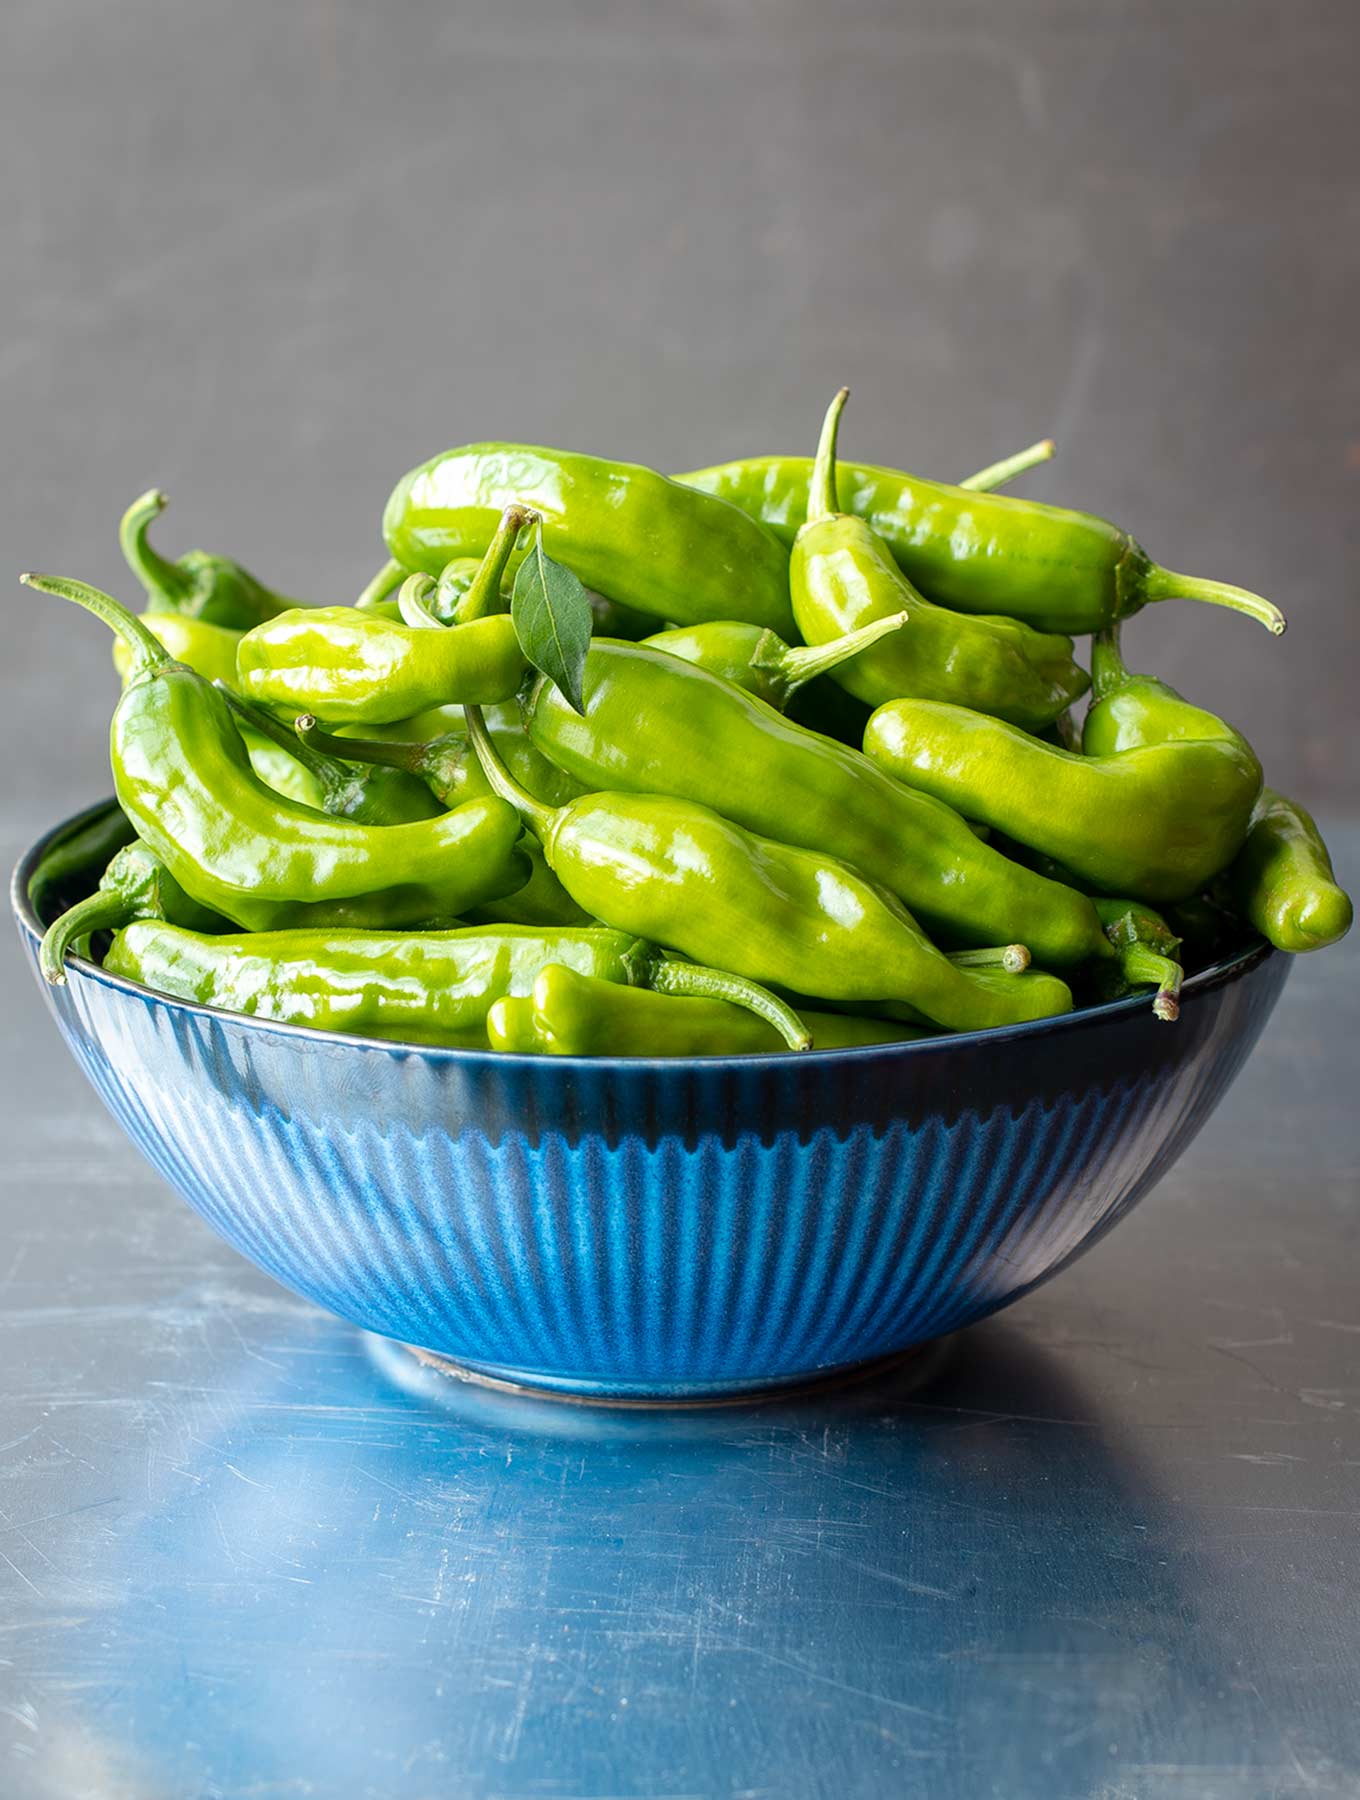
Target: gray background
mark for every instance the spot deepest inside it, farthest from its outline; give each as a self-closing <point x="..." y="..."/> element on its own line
<point x="269" y="255"/>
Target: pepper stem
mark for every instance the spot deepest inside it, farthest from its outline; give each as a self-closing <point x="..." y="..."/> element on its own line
<point x="381" y="585"/>
<point x="997" y="474"/>
<point x="822" y="501"/>
<point x="414" y="601"/>
<point x="1142" y="967"/>
<point x="162" y="579"/>
<point x="538" y="817"/>
<point x="307" y="732"/>
<point x="796" y="664"/>
<point x="1108" y="668"/>
<point x="1013" y="958"/>
<point x="484" y="595"/>
<point x="1165" y="584"/>
<point x="148" y="653"/>
<point x="100" y="911"/>
<point x="323" y="767"/>
<point x="667" y="976"/>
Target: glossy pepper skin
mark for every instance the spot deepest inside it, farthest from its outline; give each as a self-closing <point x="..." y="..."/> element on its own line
<point x="1155" y="808"/>
<point x="677" y="873"/>
<point x="136" y="885"/>
<point x="345" y="790"/>
<point x="630" y="534"/>
<point x="760" y="661"/>
<point x="184" y="780"/>
<point x="571" y="1014"/>
<point x="431" y="987"/>
<point x="199" y="586"/>
<point x="211" y="649"/>
<point x="1282" y="879"/>
<point x="655" y="725"/>
<point x="973" y="552"/>
<point x="842" y="577"/>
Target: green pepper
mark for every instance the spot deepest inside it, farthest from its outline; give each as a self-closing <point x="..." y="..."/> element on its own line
<point x="1282" y="879"/>
<point x="842" y="576"/>
<point x="630" y="534"/>
<point x="447" y="763"/>
<point x="360" y="667"/>
<point x="571" y="1014"/>
<point x="88" y="844"/>
<point x="760" y="661"/>
<point x="1146" y="947"/>
<point x="677" y="873"/>
<point x="183" y="777"/>
<point x="987" y="553"/>
<point x="1154" y="809"/>
<point x="654" y="725"/>
<point x="136" y="885"/>
<point x="199" y="586"/>
<point x="368" y="796"/>
<point x="418" y="987"/>
<point x="211" y="649"/>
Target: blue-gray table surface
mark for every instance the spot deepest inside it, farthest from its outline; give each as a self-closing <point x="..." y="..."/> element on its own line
<point x="1108" y="1551"/>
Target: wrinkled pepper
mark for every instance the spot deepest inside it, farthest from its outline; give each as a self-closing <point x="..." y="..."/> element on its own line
<point x="632" y="535"/>
<point x="1282" y="880"/>
<point x="183" y="777"/>
<point x="420" y="987"/>
<point x="842" y="577"/>
<point x="571" y="1014"/>
<point x="677" y="873"/>
<point x="654" y="725"/>
<point x="1156" y="806"/>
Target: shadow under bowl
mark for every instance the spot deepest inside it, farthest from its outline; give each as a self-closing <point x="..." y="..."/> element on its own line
<point x="659" y="1229"/>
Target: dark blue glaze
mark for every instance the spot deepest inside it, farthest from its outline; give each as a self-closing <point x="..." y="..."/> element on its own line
<point x="661" y="1228"/>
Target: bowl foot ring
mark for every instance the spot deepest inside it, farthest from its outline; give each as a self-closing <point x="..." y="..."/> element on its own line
<point x="920" y="1361"/>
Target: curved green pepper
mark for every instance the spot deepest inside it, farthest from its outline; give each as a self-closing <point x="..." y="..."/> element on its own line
<point x="199" y="586"/>
<point x="677" y="873"/>
<point x="136" y="885"/>
<point x="842" y="577"/>
<point x="1282" y="879"/>
<point x="432" y="987"/>
<point x="1157" y="806"/>
<point x="345" y="790"/>
<point x="210" y="649"/>
<point x="361" y="667"/>
<point x="571" y="1014"/>
<point x="760" y="661"/>
<point x="630" y="534"/>
<point x="654" y="725"/>
<point x="183" y="777"/>
<point x="981" y="553"/>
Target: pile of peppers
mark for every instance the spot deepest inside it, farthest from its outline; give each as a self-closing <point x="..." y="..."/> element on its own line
<point x="815" y="776"/>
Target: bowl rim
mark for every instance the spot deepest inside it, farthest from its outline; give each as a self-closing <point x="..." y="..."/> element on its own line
<point x="1217" y="974"/>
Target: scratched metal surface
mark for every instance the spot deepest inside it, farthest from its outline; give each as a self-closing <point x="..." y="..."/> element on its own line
<point x="1109" y="1550"/>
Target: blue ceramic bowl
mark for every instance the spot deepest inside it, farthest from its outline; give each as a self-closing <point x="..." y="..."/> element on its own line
<point x="660" y="1229"/>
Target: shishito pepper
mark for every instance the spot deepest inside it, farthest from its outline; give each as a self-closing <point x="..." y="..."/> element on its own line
<point x="136" y="885"/>
<point x="1282" y="879"/>
<point x="1154" y="808"/>
<point x="842" y="577"/>
<point x="430" y="987"/>
<point x="760" y="661"/>
<point x="627" y="532"/>
<point x="572" y="1014"/>
<point x="361" y="667"/>
<point x="183" y="777"/>
<point x="654" y="725"/>
<point x="677" y="873"/>
<point x="981" y="552"/>
<point x="199" y="586"/>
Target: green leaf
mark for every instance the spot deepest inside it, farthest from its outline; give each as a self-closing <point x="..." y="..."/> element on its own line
<point x="551" y="614"/>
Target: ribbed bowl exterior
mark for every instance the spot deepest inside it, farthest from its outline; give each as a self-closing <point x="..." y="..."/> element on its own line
<point x="661" y="1228"/>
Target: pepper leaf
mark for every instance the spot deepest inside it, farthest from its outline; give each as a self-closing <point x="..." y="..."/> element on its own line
<point x="551" y="614"/>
